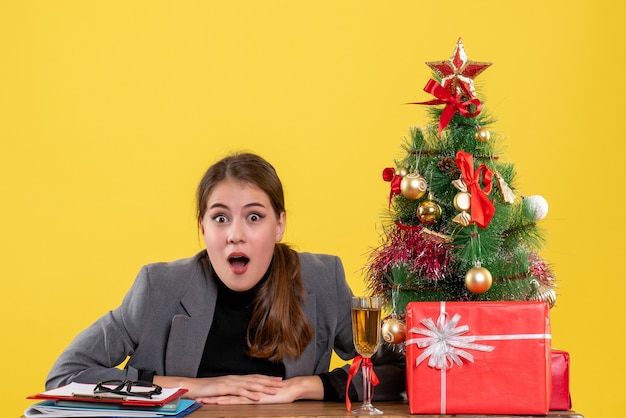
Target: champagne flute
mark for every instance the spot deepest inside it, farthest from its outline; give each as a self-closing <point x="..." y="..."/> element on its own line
<point x="366" y="313"/>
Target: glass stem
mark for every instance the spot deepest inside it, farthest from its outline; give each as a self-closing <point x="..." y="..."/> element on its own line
<point x="367" y="382"/>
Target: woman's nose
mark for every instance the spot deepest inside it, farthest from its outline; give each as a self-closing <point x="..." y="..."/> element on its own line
<point x="236" y="232"/>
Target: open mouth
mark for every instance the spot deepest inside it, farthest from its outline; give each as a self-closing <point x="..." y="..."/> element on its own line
<point x="238" y="261"/>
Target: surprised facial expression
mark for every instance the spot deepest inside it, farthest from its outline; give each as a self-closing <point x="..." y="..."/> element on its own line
<point x="240" y="229"/>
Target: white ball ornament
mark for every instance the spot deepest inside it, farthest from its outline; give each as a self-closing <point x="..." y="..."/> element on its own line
<point x="536" y="207"/>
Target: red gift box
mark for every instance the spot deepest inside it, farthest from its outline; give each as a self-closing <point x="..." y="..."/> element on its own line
<point x="561" y="399"/>
<point x="478" y="357"/>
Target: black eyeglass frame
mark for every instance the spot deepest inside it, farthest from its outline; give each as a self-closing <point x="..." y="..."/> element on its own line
<point x="125" y="388"/>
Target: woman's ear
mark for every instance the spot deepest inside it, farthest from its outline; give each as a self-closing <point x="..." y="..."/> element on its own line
<point x="201" y="226"/>
<point x="280" y="226"/>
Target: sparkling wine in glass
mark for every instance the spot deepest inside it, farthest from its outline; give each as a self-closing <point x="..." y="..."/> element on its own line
<point x="366" y="313"/>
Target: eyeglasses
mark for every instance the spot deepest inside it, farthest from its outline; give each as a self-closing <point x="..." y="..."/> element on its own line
<point x="128" y="388"/>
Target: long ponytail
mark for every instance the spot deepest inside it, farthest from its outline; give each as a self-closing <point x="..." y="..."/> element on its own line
<point x="279" y="328"/>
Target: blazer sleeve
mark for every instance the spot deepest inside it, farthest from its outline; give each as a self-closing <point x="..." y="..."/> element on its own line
<point x="96" y="352"/>
<point x="389" y="363"/>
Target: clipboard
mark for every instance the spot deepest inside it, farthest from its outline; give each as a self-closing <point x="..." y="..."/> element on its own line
<point x="83" y="392"/>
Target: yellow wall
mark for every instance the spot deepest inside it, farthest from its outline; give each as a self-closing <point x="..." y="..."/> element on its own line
<point x="110" y="111"/>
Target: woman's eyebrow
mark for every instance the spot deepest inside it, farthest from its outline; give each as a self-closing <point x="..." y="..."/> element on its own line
<point x="225" y="206"/>
<point x="255" y="204"/>
<point x="218" y="205"/>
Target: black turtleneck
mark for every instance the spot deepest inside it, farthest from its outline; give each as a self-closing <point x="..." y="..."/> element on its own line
<point x="225" y="350"/>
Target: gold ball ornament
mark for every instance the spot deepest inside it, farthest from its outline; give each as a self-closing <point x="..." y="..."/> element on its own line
<point x="478" y="280"/>
<point x="543" y="293"/>
<point x="428" y="211"/>
<point x="413" y="186"/>
<point x="462" y="201"/>
<point x="402" y="171"/>
<point x="393" y="330"/>
<point x="482" y="135"/>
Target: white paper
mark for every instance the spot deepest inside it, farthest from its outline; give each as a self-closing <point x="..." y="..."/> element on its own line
<point x="74" y="389"/>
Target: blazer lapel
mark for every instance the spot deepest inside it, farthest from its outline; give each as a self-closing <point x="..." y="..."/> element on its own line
<point x="189" y="330"/>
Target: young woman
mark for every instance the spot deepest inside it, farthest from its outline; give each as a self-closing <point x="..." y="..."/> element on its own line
<point x="248" y="320"/>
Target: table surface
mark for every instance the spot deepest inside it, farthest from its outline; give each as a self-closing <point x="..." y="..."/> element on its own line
<point x="312" y="409"/>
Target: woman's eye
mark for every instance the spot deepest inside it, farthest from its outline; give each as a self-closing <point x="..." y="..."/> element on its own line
<point x="254" y="217"/>
<point x="220" y="219"/>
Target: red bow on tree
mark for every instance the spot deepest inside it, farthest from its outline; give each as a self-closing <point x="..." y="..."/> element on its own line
<point x="453" y="104"/>
<point x="482" y="208"/>
<point x="389" y="174"/>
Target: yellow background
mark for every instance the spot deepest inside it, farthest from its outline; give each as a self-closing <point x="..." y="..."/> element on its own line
<point x="110" y="111"/>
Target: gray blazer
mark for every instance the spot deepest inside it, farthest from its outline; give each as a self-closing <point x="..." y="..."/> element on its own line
<point x="164" y="319"/>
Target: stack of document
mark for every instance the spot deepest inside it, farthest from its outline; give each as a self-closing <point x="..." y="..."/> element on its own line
<point x="78" y="400"/>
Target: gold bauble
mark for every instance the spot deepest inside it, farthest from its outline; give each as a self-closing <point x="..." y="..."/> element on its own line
<point x="393" y="330"/>
<point x="478" y="280"/>
<point x="402" y="171"/>
<point x="543" y="293"/>
<point x="482" y="135"/>
<point x="462" y="201"/>
<point x="413" y="186"/>
<point x="428" y="211"/>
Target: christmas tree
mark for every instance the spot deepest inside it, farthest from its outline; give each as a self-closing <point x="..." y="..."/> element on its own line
<point x="456" y="228"/>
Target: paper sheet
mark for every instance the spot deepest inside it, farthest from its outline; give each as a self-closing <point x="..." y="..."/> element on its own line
<point x="87" y="389"/>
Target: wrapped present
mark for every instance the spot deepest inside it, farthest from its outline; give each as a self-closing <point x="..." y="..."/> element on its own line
<point x="478" y="357"/>
<point x="560" y="399"/>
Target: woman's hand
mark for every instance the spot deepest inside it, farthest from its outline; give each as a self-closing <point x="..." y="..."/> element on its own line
<point x="302" y="387"/>
<point x="252" y="387"/>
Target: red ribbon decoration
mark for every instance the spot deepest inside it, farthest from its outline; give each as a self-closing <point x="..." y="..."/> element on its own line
<point x="408" y="227"/>
<point x="453" y="103"/>
<point x="354" y="368"/>
<point x="481" y="207"/>
<point x="389" y="174"/>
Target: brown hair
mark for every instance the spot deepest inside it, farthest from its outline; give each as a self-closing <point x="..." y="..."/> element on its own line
<point x="280" y="326"/>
